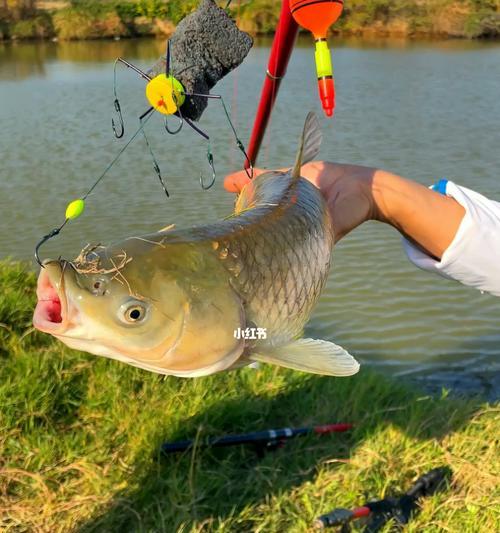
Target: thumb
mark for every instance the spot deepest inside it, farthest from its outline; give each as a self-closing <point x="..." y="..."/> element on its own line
<point x="236" y="181"/>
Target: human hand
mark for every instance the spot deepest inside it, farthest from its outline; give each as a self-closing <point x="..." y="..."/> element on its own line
<point x="344" y="188"/>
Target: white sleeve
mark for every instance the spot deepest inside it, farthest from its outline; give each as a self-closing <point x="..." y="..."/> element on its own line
<point x="473" y="257"/>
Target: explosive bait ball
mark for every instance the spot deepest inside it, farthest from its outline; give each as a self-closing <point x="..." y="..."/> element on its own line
<point x="205" y="47"/>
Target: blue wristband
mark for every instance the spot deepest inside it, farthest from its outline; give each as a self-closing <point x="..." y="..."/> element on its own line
<point x="440" y="186"/>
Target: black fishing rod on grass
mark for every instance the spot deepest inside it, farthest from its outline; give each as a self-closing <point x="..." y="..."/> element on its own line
<point x="262" y="440"/>
<point x="381" y="511"/>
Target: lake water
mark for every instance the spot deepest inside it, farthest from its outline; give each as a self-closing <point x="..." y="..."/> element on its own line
<point x="424" y="110"/>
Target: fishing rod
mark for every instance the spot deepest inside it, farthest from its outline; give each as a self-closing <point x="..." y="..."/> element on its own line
<point x="285" y="36"/>
<point x="316" y="16"/>
<point x="400" y="509"/>
<point x="263" y="440"/>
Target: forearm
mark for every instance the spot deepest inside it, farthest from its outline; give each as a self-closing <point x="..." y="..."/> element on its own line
<point x="424" y="216"/>
<point x="356" y="194"/>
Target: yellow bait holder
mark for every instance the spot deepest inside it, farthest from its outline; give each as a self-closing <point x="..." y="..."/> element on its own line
<point x="165" y="94"/>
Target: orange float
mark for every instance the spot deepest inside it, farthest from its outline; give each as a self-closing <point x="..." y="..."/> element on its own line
<point x="317" y="16"/>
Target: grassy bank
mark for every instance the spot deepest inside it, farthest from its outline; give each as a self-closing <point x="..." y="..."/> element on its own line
<point x="90" y="19"/>
<point x="80" y="435"/>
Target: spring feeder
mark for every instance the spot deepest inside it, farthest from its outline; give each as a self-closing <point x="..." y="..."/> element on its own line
<point x="182" y="79"/>
<point x="317" y="16"/>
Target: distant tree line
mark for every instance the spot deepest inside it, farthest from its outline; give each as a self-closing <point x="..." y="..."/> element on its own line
<point x="18" y="9"/>
<point x="89" y="19"/>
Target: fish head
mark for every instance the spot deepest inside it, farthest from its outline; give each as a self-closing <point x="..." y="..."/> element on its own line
<point x="136" y="309"/>
<point x="100" y="308"/>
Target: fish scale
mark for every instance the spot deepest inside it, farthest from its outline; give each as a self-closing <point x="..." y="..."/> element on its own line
<point x="285" y="263"/>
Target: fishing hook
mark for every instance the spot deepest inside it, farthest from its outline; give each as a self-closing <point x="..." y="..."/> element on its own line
<point x="177" y="114"/>
<point x="248" y="164"/>
<point x="179" y="128"/>
<point x="210" y="158"/>
<point x="118" y="134"/>
<point x="239" y="144"/>
<point x="44" y="239"/>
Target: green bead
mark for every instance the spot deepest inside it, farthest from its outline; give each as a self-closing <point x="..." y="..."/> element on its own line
<point x="75" y="209"/>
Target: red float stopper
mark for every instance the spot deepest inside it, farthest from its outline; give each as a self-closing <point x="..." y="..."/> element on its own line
<point x="332" y="428"/>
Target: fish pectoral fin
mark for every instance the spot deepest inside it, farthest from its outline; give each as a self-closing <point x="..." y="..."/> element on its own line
<point x="311" y="355"/>
<point x="310" y="143"/>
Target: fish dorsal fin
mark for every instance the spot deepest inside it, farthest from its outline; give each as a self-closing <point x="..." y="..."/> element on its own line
<point x="310" y="143"/>
<point x="310" y="355"/>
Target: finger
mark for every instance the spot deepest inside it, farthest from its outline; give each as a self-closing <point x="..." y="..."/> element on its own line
<point x="236" y="181"/>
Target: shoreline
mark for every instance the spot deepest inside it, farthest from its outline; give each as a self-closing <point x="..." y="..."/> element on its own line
<point x="364" y="36"/>
<point x="93" y="20"/>
<point x="367" y="34"/>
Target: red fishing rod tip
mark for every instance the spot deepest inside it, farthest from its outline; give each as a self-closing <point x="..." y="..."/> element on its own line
<point x="331" y="428"/>
<point x="359" y="512"/>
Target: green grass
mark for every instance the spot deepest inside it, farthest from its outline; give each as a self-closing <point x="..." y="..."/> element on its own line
<point x="79" y="440"/>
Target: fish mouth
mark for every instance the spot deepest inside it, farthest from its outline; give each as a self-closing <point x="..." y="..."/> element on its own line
<point x="51" y="313"/>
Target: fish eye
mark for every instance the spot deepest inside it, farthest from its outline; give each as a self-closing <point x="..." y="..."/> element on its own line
<point x="132" y="312"/>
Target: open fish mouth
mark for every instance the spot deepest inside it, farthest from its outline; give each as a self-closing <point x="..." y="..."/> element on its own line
<point x="51" y="312"/>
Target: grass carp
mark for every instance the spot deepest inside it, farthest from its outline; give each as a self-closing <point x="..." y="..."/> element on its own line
<point x="191" y="302"/>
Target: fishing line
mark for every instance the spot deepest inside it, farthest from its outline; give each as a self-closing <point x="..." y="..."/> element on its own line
<point x="156" y="166"/>
<point x="108" y="168"/>
<point x="76" y="207"/>
<point x="166" y="94"/>
<point x="240" y="145"/>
